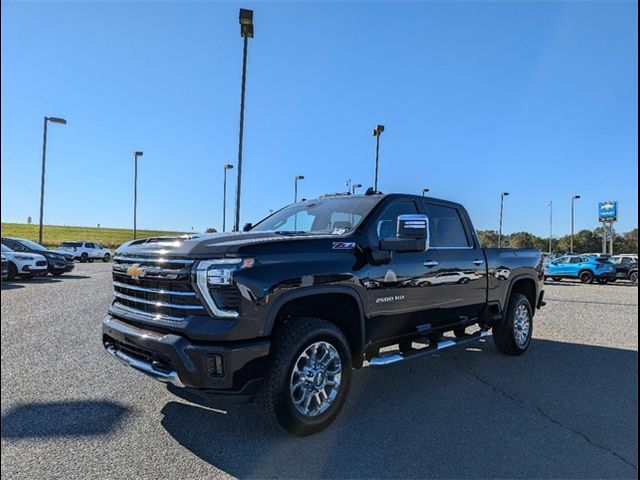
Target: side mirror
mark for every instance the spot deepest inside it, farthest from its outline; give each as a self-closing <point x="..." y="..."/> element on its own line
<point x="247" y="227"/>
<point x="412" y="236"/>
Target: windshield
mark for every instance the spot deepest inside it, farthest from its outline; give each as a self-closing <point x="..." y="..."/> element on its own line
<point x="71" y="244"/>
<point x="32" y="245"/>
<point x="329" y="216"/>
<point x="5" y="248"/>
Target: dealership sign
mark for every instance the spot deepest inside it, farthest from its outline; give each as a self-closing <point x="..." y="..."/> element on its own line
<point x="608" y="211"/>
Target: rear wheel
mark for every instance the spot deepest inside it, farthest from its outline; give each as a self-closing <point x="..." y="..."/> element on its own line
<point x="308" y="378"/>
<point x="586" y="277"/>
<point x="13" y="271"/>
<point x="513" y="335"/>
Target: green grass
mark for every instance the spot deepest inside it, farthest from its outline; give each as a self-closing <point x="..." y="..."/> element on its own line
<point x="54" y="235"/>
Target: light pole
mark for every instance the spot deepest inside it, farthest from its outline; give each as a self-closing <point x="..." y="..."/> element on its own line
<point x="354" y="187"/>
<point x="295" y="187"/>
<point x="550" y="205"/>
<point x="573" y="217"/>
<point x="376" y="133"/>
<point x="227" y="166"/>
<point x="502" y="195"/>
<point x="425" y="191"/>
<point x="61" y="121"/>
<point x="136" y="154"/>
<point x="246" y="32"/>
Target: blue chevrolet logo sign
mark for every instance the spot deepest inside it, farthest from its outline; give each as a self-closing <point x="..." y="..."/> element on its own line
<point x="608" y="211"/>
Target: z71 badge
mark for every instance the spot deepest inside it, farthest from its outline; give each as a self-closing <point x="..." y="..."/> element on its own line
<point x="344" y="245"/>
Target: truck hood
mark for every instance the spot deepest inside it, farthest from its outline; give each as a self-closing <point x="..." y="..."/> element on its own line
<point x="210" y="244"/>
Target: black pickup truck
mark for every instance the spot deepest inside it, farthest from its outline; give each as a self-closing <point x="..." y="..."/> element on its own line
<point x="284" y="311"/>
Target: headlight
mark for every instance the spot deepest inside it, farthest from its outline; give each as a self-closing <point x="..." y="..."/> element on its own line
<point x="220" y="272"/>
<point x="217" y="273"/>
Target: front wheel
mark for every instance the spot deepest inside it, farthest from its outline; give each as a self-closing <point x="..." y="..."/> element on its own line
<point x="586" y="277"/>
<point x="633" y="276"/>
<point x="603" y="281"/>
<point x="308" y="378"/>
<point x="13" y="272"/>
<point x="106" y="258"/>
<point x="513" y="335"/>
<point x="56" y="273"/>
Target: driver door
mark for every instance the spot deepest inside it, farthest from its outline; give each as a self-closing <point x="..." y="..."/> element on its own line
<point x="403" y="294"/>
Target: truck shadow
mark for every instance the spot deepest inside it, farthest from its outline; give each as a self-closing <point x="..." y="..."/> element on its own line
<point x="561" y="410"/>
<point x="62" y="419"/>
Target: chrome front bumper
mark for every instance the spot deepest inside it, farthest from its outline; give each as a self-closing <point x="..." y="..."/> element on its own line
<point x="146" y="368"/>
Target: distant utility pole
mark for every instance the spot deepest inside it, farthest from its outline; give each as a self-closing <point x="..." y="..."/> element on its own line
<point x="136" y="154"/>
<point x="60" y="121"/>
<point x="550" y="205"/>
<point x="502" y="195"/>
<point x="573" y="218"/>
<point x="376" y="133"/>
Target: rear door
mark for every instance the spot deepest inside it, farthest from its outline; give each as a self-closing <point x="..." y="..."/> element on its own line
<point x="461" y="272"/>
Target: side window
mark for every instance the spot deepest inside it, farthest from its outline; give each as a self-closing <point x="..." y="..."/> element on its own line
<point x="386" y="225"/>
<point x="575" y="260"/>
<point x="89" y="245"/>
<point x="447" y="230"/>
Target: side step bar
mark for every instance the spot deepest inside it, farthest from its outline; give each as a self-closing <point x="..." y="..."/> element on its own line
<point x="388" y="360"/>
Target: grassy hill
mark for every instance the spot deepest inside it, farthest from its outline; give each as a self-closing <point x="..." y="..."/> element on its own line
<point x="54" y="235"/>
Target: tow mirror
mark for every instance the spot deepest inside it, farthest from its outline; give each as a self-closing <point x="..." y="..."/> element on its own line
<point x="412" y="235"/>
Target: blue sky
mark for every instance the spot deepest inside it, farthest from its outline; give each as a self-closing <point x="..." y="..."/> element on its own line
<point x="535" y="98"/>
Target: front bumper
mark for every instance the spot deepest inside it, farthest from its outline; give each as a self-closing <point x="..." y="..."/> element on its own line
<point x="33" y="271"/>
<point x="213" y="370"/>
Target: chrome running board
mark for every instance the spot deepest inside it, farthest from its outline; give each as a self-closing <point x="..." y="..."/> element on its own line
<point x="392" y="359"/>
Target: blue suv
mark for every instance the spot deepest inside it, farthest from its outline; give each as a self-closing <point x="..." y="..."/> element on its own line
<point x="586" y="269"/>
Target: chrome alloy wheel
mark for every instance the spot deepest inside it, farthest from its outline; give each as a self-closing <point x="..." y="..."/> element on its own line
<point x="315" y="379"/>
<point x="522" y="326"/>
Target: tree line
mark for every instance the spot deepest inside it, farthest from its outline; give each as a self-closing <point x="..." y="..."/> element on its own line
<point x="585" y="241"/>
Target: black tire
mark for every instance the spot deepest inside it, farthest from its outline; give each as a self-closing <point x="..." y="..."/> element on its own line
<point x="56" y="273"/>
<point x="603" y="281"/>
<point x="274" y="401"/>
<point x="106" y="258"/>
<point x="91" y="260"/>
<point x="557" y="279"/>
<point x="504" y="333"/>
<point x="633" y="277"/>
<point x="84" y="257"/>
<point x="13" y="272"/>
<point x="586" y="277"/>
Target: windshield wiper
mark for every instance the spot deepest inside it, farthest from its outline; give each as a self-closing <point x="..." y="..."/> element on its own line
<point x="290" y="232"/>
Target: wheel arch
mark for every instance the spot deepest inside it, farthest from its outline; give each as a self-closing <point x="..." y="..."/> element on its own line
<point x="526" y="285"/>
<point x="326" y="302"/>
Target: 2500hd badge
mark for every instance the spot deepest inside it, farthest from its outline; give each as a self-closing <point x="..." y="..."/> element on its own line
<point x="283" y="313"/>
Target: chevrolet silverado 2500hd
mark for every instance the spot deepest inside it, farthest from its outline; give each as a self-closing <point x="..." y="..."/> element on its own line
<point x="283" y="312"/>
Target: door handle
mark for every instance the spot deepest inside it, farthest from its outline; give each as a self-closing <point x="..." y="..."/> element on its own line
<point x="478" y="262"/>
<point x="430" y="263"/>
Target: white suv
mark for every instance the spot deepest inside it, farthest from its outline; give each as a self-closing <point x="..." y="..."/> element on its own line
<point x="87" y="251"/>
<point x="24" y="265"/>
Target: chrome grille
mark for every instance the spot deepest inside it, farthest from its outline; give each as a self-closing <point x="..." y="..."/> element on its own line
<point x="162" y="290"/>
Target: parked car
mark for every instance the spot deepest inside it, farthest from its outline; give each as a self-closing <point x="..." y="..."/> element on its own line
<point x="58" y="262"/>
<point x="586" y="269"/>
<point x="25" y="265"/>
<point x="5" y="268"/>
<point x="283" y="311"/>
<point x="86" y="251"/>
<point x="626" y="267"/>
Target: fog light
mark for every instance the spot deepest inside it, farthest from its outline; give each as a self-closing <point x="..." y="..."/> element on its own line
<point x="214" y="365"/>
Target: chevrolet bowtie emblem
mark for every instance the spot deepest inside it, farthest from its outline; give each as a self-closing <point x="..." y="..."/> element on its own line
<point x="135" y="271"/>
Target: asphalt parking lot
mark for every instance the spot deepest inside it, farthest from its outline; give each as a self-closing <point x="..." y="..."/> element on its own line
<point x="568" y="408"/>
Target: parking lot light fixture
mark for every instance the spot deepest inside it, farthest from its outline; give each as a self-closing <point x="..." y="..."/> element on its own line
<point x="550" y="205"/>
<point x="502" y="197"/>
<point x="295" y="187"/>
<point x="573" y="218"/>
<point x="246" y="32"/>
<point x="136" y="154"/>
<point x="354" y="187"/>
<point x="425" y="191"/>
<point x="227" y="166"/>
<point x="377" y="131"/>
<point x="60" y="121"/>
